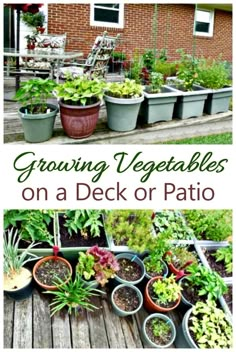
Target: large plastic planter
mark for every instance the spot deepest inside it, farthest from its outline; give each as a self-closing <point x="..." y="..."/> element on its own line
<point x="159" y="106"/>
<point x="218" y="101"/>
<point x="191" y="103"/>
<point x="183" y="336"/>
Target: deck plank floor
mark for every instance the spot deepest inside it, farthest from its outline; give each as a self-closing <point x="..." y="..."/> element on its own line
<point x="27" y="324"/>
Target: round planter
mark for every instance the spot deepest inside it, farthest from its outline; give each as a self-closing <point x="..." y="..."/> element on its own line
<point x="122" y="114"/>
<point x="38" y="127"/>
<point x="135" y="259"/>
<point x="79" y="121"/>
<point x="121" y="312"/>
<point x="43" y="260"/>
<point x="165" y="273"/>
<point x="168" y="321"/>
<point x="153" y="307"/>
<point x="91" y="283"/>
<point x="183" y="338"/>
<point x="183" y="299"/>
<point x="23" y="283"/>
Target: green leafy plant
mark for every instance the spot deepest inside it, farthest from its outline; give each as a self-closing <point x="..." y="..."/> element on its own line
<point x="13" y="260"/>
<point x="33" y="20"/>
<point x="34" y="93"/>
<point x="31" y="38"/>
<point x="87" y="221"/>
<point x="156" y="82"/>
<point x="130" y="227"/>
<point x="187" y="72"/>
<point x="134" y="68"/>
<point x="98" y="263"/>
<point x="225" y="254"/>
<point x="168" y="69"/>
<point x="179" y="256"/>
<point x="73" y="294"/>
<point x="127" y="90"/>
<point x="118" y="56"/>
<point x="148" y="59"/>
<point x="174" y="221"/>
<point x="210" y="327"/>
<point x="213" y="74"/>
<point x="161" y="328"/>
<point x="80" y="91"/>
<point x="32" y="224"/>
<point x="166" y="290"/>
<point x="215" y="225"/>
<point x="207" y="282"/>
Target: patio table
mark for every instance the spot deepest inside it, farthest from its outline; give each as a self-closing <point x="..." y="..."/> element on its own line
<point x="51" y="55"/>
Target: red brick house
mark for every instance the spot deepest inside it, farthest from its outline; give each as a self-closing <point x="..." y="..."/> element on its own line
<point x="206" y="27"/>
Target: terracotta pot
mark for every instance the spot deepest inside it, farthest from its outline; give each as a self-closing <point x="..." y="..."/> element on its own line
<point x="79" y="121"/>
<point x="150" y="305"/>
<point x="40" y="30"/>
<point x="30" y="46"/>
<point x="45" y="259"/>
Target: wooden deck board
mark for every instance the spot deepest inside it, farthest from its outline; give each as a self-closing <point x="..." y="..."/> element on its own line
<point x="8" y="322"/>
<point x="22" y="332"/>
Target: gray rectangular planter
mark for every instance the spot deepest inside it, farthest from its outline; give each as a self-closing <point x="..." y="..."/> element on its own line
<point x="218" y="101"/>
<point x="225" y="306"/>
<point x="158" y="106"/>
<point x="191" y="103"/>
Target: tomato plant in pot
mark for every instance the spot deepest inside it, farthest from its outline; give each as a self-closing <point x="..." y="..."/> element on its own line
<point x="37" y="116"/>
<point x="126" y="299"/>
<point x="162" y="294"/>
<point x="48" y="270"/>
<point x="97" y="264"/>
<point x="158" y="331"/>
<point x="17" y="278"/>
<point x="80" y="100"/>
<point x="80" y="229"/>
<point x="205" y="326"/>
<point x="201" y="284"/>
<point x="123" y="100"/>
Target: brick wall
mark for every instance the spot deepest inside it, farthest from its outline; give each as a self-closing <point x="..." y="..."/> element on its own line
<point x="174" y="29"/>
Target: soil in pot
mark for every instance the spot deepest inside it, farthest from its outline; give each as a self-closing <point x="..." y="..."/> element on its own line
<point x="229" y="298"/>
<point x="49" y="270"/>
<point x="129" y="271"/>
<point x="77" y="240"/>
<point x="190" y="293"/>
<point x="126" y="299"/>
<point x="154" y="297"/>
<point x="158" y="340"/>
<point x="219" y="267"/>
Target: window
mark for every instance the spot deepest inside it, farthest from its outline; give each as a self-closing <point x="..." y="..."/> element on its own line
<point x="107" y="15"/>
<point x="204" y="23"/>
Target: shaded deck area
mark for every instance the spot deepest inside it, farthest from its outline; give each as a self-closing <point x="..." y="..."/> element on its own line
<point x="27" y="324"/>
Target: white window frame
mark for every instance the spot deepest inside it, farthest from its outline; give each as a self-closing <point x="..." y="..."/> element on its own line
<point x="107" y="24"/>
<point x="211" y="26"/>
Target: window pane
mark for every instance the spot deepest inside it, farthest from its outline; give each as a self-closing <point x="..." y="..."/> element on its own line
<point x="106" y="16"/>
<point x="202" y="27"/>
<point x="114" y="6"/>
<point x="203" y="16"/>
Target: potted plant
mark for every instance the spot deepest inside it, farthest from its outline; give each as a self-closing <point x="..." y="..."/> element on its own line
<point x="214" y="75"/>
<point x="201" y="283"/>
<point x="33" y="225"/>
<point x="98" y="264"/>
<point x="35" y="20"/>
<point x="31" y="40"/>
<point x="131" y="269"/>
<point x="126" y="299"/>
<point x="36" y="114"/>
<point x="80" y="100"/>
<point x="205" y="326"/>
<point x="48" y="271"/>
<point x="17" y="282"/>
<point x="179" y="258"/>
<point x="192" y="99"/>
<point x="123" y="101"/>
<point x="158" y="331"/>
<point x="80" y="229"/>
<point x="159" y="100"/>
<point x="162" y="294"/>
<point x="116" y="62"/>
<point x="72" y="294"/>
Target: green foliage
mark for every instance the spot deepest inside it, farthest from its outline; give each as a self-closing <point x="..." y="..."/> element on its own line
<point x="135" y="68"/>
<point x="180" y="255"/>
<point x="187" y="71"/>
<point x="85" y="265"/>
<point x="32" y="224"/>
<point x="148" y="59"/>
<point x="86" y="221"/>
<point x="221" y="138"/>
<point x="72" y="294"/>
<point x="166" y="290"/>
<point x="132" y="226"/>
<point x="31" y="38"/>
<point x="208" y="282"/>
<point x="128" y="89"/>
<point x="210" y="327"/>
<point x="80" y="91"/>
<point x="168" y="69"/>
<point x="33" y="20"/>
<point x="34" y="94"/>
<point x="156" y="82"/>
<point x="174" y="221"/>
<point x="225" y="254"/>
<point x="215" y="225"/>
<point x="161" y="328"/>
<point x="13" y="260"/>
<point x="213" y="74"/>
<point x="118" y="56"/>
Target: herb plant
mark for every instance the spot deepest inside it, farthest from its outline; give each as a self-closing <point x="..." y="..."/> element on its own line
<point x="148" y="59"/>
<point x="34" y="93"/>
<point x="208" y="282"/>
<point x="161" y="328"/>
<point x="126" y="90"/>
<point x="187" y="72"/>
<point x="156" y="82"/>
<point x="179" y="256"/>
<point x="166" y="290"/>
<point x="213" y="74"/>
<point x="225" y="254"/>
<point x="210" y="327"/>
